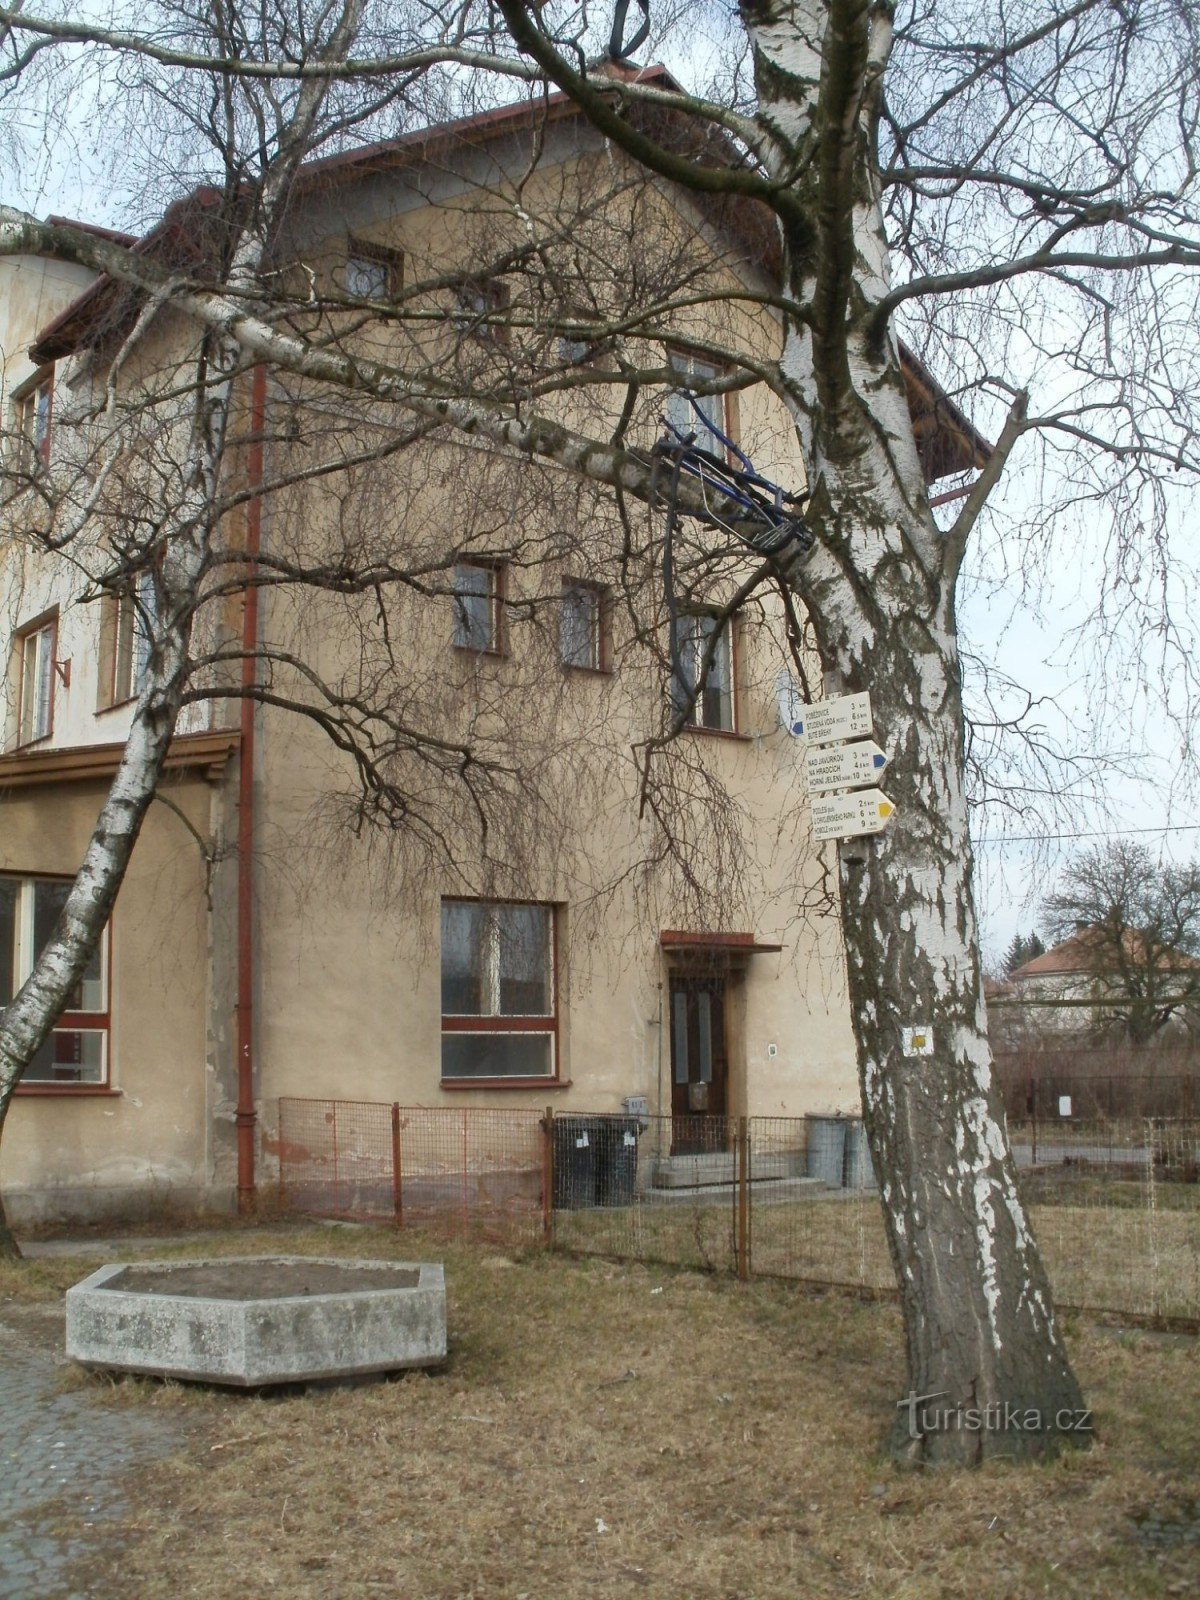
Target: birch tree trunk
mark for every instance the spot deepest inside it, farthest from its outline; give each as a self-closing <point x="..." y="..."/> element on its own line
<point x="988" y="1373"/>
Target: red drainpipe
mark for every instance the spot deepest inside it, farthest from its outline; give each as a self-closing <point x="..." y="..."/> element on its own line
<point x="247" y="1117"/>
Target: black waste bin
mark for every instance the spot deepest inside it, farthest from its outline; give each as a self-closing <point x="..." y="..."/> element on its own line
<point x="617" y="1161"/>
<point x="576" y="1141"/>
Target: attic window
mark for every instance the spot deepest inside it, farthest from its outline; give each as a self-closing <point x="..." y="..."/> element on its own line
<point x="373" y="271"/>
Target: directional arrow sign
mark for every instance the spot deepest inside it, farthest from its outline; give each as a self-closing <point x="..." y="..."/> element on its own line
<point x="840" y="816"/>
<point x="845" y="766"/>
<point x="847" y="717"/>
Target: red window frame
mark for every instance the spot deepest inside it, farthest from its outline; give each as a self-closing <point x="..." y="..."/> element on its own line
<point x="547" y="1023"/>
<point x="70" y="1021"/>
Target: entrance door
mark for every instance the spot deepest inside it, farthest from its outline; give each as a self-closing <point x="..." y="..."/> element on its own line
<point x="699" y="1064"/>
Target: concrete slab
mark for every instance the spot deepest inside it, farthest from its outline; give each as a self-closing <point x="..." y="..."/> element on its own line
<point x="257" y="1320"/>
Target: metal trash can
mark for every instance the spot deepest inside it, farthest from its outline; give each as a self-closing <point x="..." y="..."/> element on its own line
<point x="617" y="1161"/>
<point x="860" y="1169"/>
<point x="576" y="1143"/>
<point x="826" y="1149"/>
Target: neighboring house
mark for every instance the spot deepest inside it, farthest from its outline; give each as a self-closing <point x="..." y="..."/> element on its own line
<point x="1080" y="991"/>
<point x="259" y="947"/>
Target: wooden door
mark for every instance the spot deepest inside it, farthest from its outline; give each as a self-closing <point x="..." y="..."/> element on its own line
<point x="699" y="1063"/>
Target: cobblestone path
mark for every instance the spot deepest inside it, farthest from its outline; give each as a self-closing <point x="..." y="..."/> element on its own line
<point x="63" y="1458"/>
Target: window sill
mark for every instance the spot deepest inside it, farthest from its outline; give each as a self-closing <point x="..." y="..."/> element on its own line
<point x="32" y="744"/>
<point x="59" y="1091"/>
<point x="116" y="705"/>
<point x="588" y="672"/>
<point x="494" y="651"/>
<point x="506" y="1083"/>
<point x="717" y="733"/>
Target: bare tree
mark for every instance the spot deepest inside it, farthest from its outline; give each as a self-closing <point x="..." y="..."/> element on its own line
<point x="1135" y="925"/>
<point x="1012" y="189"/>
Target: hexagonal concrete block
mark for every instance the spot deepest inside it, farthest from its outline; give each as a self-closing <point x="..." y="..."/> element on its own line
<point x="259" y="1320"/>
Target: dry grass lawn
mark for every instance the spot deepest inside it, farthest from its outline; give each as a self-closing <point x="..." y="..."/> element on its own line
<point x="609" y="1431"/>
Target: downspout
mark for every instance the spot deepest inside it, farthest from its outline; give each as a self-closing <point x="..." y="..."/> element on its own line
<point x="247" y="1116"/>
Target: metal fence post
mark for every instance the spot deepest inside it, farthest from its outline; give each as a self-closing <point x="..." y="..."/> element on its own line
<point x="397" y="1171"/>
<point x="743" y="1198"/>
<point x="548" y="1177"/>
<point x="1033" y="1098"/>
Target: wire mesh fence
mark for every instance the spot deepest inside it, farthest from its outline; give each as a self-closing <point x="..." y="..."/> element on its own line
<point x="650" y="1188"/>
<point x="1114" y="1201"/>
<point x="465" y="1170"/>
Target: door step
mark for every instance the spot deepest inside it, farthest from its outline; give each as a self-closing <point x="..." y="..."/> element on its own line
<point x="717" y="1167"/>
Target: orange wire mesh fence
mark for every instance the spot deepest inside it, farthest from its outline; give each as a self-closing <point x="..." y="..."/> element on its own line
<point x="1115" y="1202"/>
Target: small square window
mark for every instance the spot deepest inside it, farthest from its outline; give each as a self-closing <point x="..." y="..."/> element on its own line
<point x="707" y="703"/>
<point x="373" y="272"/>
<point x="36" y="649"/>
<point x="477" y="595"/>
<point x="581" y="624"/>
<point x="479" y="310"/>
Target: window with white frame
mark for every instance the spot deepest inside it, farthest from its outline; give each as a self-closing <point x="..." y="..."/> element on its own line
<point x="36" y="649"/>
<point x="76" y="1053"/>
<point x="692" y="369"/>
<point x="34" y="406"/>
<point x="704" y="694"/>
<point x="581" y="624"/>
<point x="477" y="595"/>
<point x="135" y="615"/>
<point x="499" y="1006"/>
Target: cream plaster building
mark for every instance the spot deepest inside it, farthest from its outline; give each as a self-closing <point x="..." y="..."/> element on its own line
<point x="263" y="947"/>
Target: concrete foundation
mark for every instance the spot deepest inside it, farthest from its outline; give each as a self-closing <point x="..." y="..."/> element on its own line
<point x="252" y="1321"/>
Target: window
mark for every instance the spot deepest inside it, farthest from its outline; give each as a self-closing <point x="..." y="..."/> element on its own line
<point x="581" y="635"/>
<point x="77" y="1050"/>
<point x="499" y="1013"/>
<point x="35" y="665"/>
<point x="695" y="636"/>
<point x="481" y="303"/>
<point x="133" y="623"/>
<point x="693" y="369"/>
<point x="477" y="596"/>
<point x="34" y="407"/>
<point x="373" y="272"/>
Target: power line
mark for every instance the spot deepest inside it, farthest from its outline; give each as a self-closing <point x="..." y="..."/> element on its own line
<point x="1103" y="833"/>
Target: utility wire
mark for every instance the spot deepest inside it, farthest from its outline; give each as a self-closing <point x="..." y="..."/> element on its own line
<point x="1104" y="833"/>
